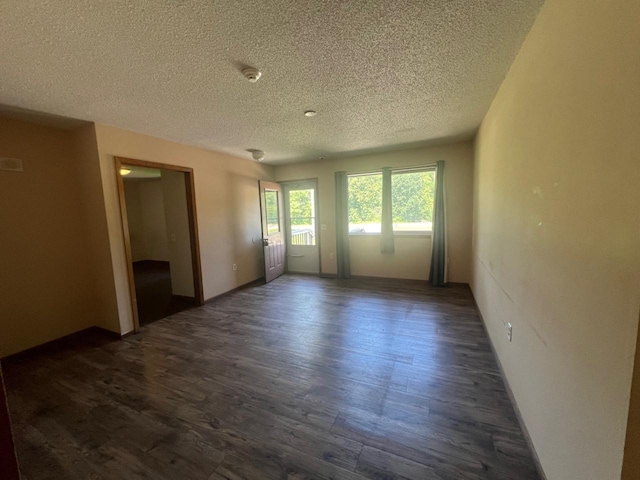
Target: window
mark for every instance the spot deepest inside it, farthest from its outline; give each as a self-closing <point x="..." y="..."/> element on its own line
<point x="411" y="202"/>
<point x="273" y="216"/>
<point x="365" y="203"/>
<point x="302" y="215"/>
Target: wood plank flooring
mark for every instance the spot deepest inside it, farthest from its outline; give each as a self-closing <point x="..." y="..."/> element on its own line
<point x="302" y="378"/>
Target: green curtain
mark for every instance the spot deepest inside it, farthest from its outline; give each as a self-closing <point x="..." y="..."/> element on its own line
<point x="438" y="271"/>
<point x="386" y="232"/>
<point x="342" y="225"/>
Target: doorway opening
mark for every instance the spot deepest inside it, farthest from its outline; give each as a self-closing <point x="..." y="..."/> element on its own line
<point x="157" y="204"/>
<point x="301" y="223"/>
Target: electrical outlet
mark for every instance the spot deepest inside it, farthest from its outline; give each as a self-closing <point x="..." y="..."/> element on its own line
<point x="235" y="267"/>
<point x="509" y="328"/>
<point x="331" y="255"/>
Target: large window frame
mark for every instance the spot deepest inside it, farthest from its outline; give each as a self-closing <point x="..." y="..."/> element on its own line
<point x="394" y="171"/>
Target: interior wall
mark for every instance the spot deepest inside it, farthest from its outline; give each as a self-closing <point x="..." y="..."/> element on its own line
<point x="177" y="230"/>
<point x="46" y="284"/>
<point x="88" y="179"/>
<point x="134" y="221"/>
<point x="413" y="254"/>
<point x="146" y="219"/>
<point x="557" y="230"/>
<point x="227" y="202"/>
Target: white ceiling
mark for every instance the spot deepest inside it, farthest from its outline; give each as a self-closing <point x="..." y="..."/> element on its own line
<point x="381" y="74"/>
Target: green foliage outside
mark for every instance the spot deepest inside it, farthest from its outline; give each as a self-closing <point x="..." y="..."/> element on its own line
<point x="412" y="198"/>
<point x="412" y="195"/>
<point x="365" y="199"/>
<point x="300" y="206"/>
<point x="271" y="204"/>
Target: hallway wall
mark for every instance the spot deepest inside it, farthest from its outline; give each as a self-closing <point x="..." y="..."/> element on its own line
<point x="227" y="203"/>
<point x="45" y="277"/>
<point x="557" y="231"/>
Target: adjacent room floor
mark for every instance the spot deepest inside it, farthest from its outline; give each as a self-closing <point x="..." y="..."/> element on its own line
<point x="300" y="378"/>
<point x="154" y="295"/>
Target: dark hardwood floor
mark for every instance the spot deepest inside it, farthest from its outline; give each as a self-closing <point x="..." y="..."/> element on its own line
<point x="300" y="378"/>
<point x="154" y="294"/>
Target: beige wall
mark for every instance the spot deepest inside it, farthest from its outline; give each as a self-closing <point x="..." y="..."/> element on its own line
<point x="413" y="255"/>
<point x="146" y="219"/>
<point x="227" y="206"/>
<point x="557" y="231"/>
<point x="177" y="227"/>
<point x="134" y="220"/>
<point x="45" y="278"/>
<point x="89" y="181"/>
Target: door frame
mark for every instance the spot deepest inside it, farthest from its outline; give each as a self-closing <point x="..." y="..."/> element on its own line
<point x="287" y="225"/>
<point x="196" y="261"/>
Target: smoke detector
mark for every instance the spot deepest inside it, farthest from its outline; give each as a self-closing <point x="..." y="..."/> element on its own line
<point x="257" y="154"/>
<point x="252" y="74"/>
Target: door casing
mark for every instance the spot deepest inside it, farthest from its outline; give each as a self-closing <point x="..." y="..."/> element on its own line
<point x="193" y="229"/>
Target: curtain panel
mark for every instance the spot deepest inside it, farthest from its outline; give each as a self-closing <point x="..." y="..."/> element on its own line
<point x="342" y="225"/>
<point x="386" y="232"/>
<point x="438" y="270"/>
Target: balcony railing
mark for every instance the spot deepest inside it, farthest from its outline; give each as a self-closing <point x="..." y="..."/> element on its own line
<point x="303" y="231"/>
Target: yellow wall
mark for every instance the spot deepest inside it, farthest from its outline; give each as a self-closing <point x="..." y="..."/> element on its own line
<point x="413" y="255"/>
<point x="146" y="219"/>
<point x="46" y="284"/>
<point x="89" y="181"/>
<point x="556" y="242"/>
<point x="227" y="204"/>
<point x="176" y="210"/>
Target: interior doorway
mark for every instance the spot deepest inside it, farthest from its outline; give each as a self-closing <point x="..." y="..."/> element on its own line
<point x="301" y="226"/>
<point x="160" y="234"/>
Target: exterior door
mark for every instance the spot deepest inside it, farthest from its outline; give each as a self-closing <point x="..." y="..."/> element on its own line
<point x="301" y="205"/>
<point x="272" y="229"/>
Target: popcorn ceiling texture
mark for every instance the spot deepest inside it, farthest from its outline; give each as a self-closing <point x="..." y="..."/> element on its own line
<point x="381" y="74"/>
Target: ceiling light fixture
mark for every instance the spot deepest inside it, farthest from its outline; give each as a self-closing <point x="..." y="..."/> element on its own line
<point x="310" y="113"/>
<point x="257" y="154"/>
<point x="252" y="74"/>
<point x="124" y="171"/>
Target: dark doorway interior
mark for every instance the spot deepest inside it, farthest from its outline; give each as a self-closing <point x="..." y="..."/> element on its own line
<point x="153" y="292"/>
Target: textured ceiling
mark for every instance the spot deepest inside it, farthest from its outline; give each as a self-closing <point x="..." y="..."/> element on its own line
<point x="380" y="74"/>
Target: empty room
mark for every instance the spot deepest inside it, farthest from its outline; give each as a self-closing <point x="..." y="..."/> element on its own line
<point x="320" y="239"/>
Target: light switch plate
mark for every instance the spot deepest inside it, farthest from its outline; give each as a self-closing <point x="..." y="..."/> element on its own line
<point x="11" y="164"/>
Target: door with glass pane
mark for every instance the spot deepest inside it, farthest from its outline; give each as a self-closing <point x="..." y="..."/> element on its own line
<point x="272" y="229"/>
<point x="301" y="206"/>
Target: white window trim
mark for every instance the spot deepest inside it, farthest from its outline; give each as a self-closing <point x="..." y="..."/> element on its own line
<point x="395" y="171"/>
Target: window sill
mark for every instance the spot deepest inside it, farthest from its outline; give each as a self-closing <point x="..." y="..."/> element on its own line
<point x="395" y="234"/>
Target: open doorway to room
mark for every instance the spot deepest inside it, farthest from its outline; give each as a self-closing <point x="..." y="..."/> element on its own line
<point x="301" y="226"/>
<point x="159" y="223"/>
